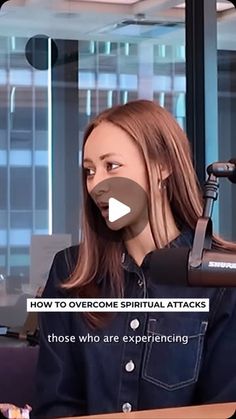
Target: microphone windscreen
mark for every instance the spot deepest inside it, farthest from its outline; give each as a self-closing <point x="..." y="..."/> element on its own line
<point x="232" y="177"/>
<point x="169" y="266"/>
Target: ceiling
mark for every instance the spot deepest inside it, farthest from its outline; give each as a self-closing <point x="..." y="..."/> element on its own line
<point x="109" y="20"/>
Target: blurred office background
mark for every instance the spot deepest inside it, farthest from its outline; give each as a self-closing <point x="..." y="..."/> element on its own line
<point x="62" y="62"/>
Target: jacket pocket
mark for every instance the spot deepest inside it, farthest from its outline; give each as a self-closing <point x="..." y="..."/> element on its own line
<point x="170" y="362"/>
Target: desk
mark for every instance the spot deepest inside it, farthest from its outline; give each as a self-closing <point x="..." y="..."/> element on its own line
<point x="210" y="411"/>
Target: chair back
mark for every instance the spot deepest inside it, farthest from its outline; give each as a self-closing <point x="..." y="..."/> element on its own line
<point x="17" y="374"/>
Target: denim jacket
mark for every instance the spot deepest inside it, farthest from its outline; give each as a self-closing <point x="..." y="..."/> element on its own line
<point x="101" y="377"/>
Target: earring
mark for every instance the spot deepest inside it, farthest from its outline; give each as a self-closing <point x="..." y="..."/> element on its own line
<point x="161" y="185"/>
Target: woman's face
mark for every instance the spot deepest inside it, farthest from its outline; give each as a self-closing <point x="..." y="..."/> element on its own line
<point x="110" y="153"/>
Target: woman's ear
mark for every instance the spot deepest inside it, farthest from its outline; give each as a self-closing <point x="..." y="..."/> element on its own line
<point x="165" y="171"/>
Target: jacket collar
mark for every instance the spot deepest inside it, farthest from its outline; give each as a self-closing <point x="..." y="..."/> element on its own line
<point x="185" y="239"/>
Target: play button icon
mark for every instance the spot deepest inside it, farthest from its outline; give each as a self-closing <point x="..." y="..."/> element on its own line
<point x="117" y="209"/>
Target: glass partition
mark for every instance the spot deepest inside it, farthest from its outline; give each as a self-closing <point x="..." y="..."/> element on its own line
<point x="24" y="165"/>
<point x="117" y="72"/>
<point x="226" y="29"/>
<point x="118" y="59"/>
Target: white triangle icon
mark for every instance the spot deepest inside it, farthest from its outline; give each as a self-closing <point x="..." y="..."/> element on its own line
<point x="117" y="209"/>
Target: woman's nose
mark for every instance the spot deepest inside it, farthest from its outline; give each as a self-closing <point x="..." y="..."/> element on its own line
<point x="101" y="188"/>
<point x="100" y="183"/>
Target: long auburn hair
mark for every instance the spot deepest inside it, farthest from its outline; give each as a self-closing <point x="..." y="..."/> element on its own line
<point x="161" y="142"/>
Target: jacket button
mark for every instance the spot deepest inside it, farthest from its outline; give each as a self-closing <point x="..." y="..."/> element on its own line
<point x="129" y="367"/>
<point x="140" y="283"/>
<point x="127" y="407"/>
<point x="134" y="324"/>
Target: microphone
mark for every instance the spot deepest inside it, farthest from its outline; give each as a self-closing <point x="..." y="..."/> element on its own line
<point x="199" y="266"/>
<point x="175" y="266"/>
<point x="221" y="169"/>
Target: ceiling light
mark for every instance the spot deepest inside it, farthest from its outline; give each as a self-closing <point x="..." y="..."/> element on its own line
<point x="220" y="6"/>
<point x="111" y="1"/>
<point x="180" y="6"/>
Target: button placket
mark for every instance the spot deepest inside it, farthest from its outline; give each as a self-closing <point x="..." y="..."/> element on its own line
<point x="132" y="353"/>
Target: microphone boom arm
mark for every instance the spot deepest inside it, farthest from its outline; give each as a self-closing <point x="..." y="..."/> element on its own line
<point x="203" y="232"/>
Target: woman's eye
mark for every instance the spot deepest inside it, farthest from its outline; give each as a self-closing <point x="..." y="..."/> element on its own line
<point x="113" y="166"/>
<point x="89" y="172"/>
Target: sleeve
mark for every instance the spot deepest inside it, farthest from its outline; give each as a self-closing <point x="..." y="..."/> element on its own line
<point x="217" y="380"/>
<point x="57" y="389"/>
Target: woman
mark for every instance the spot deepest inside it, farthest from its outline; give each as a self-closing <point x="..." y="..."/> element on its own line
<point x="142" y="143"/>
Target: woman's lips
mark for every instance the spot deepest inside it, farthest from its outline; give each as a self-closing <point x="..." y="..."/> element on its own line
<point x="105" y="212"/>
<point x="104" y="208"/>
